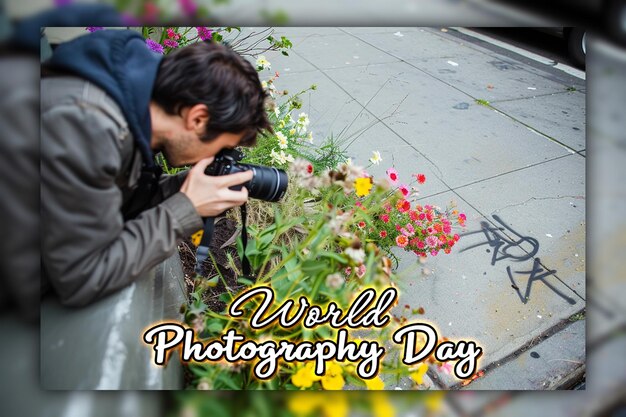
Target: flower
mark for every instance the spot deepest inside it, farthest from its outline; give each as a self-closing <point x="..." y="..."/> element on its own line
<point x="418" y="375"/>
<point x="154" y="46"/>
<point x="421" y="178"/>
<point x="305" y="376"/>
<point x="303" y="403"/>
<point x="280" y="158"/>
<point x="301" y="168"/>
<point x="309" y="137"/>
<point x="303" y="120"/>
<point x="94" y="28"/>
<point x="171" y="33"/>
<point x="402" y="241"/>
<point x="334" y="281"/>
<point x="333" y="378"/>
<point x="361" y="224"/>
<point x="204" y="385"/>
<point x="282" y="140"/>
<point x="170" y="43"/>
<point x="432" y="241"/>
<point x="363" y="186"/>
<point x="357" y="255"/>
<point x="403" y="206"/>
<point x="375" y="384"/>
<point x="189" y="7"/>
<point x="361" y="270"/>
<point x="376" y="158"/>
<point x="404" y="189"/>
<point x="392" y="176"/>
<point x="262" y="63"/>
<point x="204" y="33"/>
<point x="384" y="218"/>
<point x="383" y="234"/>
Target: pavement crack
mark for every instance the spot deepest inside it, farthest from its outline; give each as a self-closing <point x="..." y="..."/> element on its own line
<point x="577" y="197"/>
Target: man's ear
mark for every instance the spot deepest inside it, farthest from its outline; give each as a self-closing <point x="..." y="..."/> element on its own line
<point x="196" y="118"/>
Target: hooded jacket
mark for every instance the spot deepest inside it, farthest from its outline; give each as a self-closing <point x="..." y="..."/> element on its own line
<point x="95" y="143"/>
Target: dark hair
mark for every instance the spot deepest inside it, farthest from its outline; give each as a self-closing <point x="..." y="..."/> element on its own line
<point x="215" y="75"/>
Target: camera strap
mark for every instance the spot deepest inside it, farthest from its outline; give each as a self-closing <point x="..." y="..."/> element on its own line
<point x="202" y="253"/>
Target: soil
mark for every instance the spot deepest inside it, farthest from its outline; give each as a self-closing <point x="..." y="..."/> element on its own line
<point x="224" y="230"/>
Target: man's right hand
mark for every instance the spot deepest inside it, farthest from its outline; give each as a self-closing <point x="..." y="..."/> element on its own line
<point x="211" y="195"/>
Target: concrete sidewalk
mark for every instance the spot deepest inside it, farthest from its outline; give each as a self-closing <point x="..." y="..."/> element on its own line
<point x="501" y="136"/>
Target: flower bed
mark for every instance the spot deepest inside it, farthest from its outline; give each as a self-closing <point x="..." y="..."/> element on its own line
<point x="332" y="236"/>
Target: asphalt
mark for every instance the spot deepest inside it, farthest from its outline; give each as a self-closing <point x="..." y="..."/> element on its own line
<point x="501" y="136"/>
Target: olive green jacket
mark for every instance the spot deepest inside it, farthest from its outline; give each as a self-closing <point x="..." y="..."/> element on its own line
<point x="89" y="168"/>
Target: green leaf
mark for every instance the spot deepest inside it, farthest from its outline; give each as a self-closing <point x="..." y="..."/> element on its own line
<point x="245" y="281"/>
<point x="212" y="282"/>
<point x="335" y="256"/>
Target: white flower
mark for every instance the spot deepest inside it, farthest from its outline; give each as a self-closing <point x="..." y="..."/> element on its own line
<point x="278" y="158"/>
<point x="262" y="63"/>
<point x="376" y="159"/>
<point x="264" y="85"/>
<point x="334" y="281"/>
<point x="281" y="158"/>
<point x="303" y="120"/>
<point x="357" y="255"/>
<point x="282" y="140"/>
<point x="277" y="111"/>
<point x="309" y="137"/>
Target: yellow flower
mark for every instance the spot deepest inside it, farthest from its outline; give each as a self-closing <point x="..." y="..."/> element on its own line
<point x="418" y="375"/>
<point x="333" y="378"/>
<point x="381" y="406"/>
<point x="363" y="186"/>
<point x="292" y="131"/>
<point x="433" y="400"/>
<point x="305" y="376"/>
<point x="375" y="384"/>
<point x="338" y="405"/>
<point x="303" y="403"/>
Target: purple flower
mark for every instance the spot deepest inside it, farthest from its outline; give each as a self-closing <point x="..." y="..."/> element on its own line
<point x="94" y="28"/>
<point x="155" y="46"/>
<point x="170" y="43"/>
<point x="204" y="33"/>
<point x="189" y="7"/>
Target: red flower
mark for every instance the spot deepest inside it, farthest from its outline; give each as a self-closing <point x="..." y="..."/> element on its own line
<point x="361" y="224"/>
<point x="456" y="237"/>
<point x="422" y="216"/>
<point x="404" y="189"/>
<point x="309" y="169"/>
<point x="403" y="206"/>
<point x="384" y="218"/>
<point x="421" y="178"/>
<point x="413" y="215"/>
<point x="383" y="234"/>
<point x="447" y="250"/>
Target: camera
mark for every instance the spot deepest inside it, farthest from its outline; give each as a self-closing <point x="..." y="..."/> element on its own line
<point x="267" y="183"/>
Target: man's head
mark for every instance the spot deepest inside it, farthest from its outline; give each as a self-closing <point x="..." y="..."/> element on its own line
<point x="206" y="97"/>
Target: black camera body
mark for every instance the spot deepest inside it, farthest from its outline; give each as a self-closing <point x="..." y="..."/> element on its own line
<point x="267" y="183"/>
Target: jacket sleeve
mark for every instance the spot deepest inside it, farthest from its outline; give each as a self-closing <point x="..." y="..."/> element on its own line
<point x="88" y="251"/>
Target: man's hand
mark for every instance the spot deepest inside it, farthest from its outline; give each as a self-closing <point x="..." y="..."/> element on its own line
<point x="211" y="195"/>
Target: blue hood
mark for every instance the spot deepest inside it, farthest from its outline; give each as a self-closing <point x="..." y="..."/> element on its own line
<point x="119" y="62"/>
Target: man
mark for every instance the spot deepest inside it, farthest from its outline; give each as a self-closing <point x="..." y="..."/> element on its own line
<point x="108" y="104"/>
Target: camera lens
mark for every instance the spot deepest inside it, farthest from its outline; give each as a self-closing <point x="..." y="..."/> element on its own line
<point x="268" y="183"/>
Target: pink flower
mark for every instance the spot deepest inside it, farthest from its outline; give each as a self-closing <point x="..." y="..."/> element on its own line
<point x="421" y="245"/>
<point x="402" y="241"/>
<point x="432" y="241"/>
<point x="456" y="237"/>
<point x="348" y="271"/>
<point x="404" y="189"/>
<point x="170" y="43"/>
<point x="204" y="33"/>
<point x="447" y="229"/>
<point x="410" y="228"/>
<point x="387" y="207"/>
<point x="172" y="34"/>
<point x="422" y="216"/>
<point x="413" y="215"/>
<point x="360" y="272"/>
<point x="384" y="218"/>
<point x="189" y="7"/>
<point x="392" y="176"/>
<point x="383" y="234"/>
